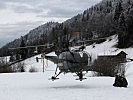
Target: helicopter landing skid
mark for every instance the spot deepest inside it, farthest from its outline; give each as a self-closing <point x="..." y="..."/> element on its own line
<point x="81" y="79"/>
<point x="53" y="78"/>
<point x="80" y="75"/>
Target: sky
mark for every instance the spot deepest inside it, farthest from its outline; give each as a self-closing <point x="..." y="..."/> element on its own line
<point x="18" y="17"/>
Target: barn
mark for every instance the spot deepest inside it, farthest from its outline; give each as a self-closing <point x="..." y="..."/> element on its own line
<point x="107" y="63"/>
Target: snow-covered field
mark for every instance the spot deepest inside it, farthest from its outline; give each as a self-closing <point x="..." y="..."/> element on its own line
<point x="36" y="86"/>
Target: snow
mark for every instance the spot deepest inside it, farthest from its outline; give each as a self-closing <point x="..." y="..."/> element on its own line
<point x="5" y="59"/>
<point x="103" y="48"/>
<point x="36" y="86"/>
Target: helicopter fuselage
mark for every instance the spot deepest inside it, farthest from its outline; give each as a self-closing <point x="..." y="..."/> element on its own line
<point x="74" y="62"/>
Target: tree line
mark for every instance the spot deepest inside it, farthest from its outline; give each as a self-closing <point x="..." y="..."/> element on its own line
<point x="104" y="19"/>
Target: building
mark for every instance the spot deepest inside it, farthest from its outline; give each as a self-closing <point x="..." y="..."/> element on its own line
<point x="107" y="64"/>
<point x="117" y="57"/>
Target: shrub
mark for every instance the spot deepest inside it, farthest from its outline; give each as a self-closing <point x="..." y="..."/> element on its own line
<point x="108" y="67"/>
<point x="4" y="68"/>
<point x="32" y="69"/>
<point x="21" y="67"/>
<point x="104" y="67"/>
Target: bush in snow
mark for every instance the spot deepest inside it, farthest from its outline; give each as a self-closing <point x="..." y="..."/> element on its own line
<point x="121" y="69"/>
<point x="19" y="67"/>
<point x="94" y="73"/>
<point x="32" y="69"/>
<point x="4" y="68"/>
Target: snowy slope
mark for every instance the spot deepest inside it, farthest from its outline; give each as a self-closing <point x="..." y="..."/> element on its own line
<point x="36" y="86"/>
<point x="108" y="48"/>
<point x="31" y="62"/>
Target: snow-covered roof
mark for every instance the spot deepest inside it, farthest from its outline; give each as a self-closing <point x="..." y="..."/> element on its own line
<point x="111" y="53"/>
<point x="51" y="54"/>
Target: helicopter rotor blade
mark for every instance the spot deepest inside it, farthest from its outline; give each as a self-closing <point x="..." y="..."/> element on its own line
<point x="92" y="40"/>
<point x="27" y="47"/>
<point x="52" y="58"/>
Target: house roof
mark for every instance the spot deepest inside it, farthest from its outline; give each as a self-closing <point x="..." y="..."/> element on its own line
<point x="112" y="53"/>
<point x="122" y="52"/>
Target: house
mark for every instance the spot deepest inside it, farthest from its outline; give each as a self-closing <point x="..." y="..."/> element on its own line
<point x="116" y="57"/>
<point x="107" y="64"/>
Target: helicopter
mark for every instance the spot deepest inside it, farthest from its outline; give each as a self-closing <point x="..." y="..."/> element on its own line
<point x="72" y="60"/>
<point x="67" y="60"/>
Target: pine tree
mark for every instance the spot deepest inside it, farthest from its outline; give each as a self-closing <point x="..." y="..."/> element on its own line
<point x="23" y="51"/>
<point x="118" y="11"/>
<point x="110" y="4"/>
<point x="87" y="16"/>
<point x="122" y="35"/>
<point x="11" y="58"/>
<point x="55" y="38"/>
<point x="129" y="2"/>
<point x="122" y="20"/>
<point x="83" y="17"/>
<point x="65" y="40"/>
<point x="129" y="23"/>
<point x="101" y="8"/>
<point x="22" y="42"/>
<point x="107" y="3"/>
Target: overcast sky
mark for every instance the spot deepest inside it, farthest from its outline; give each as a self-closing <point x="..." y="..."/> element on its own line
<point x="18" y="17"/>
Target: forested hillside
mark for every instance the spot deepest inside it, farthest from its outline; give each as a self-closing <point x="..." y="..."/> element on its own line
<point x="103" y="19"/>
<point x="36" y="36"/>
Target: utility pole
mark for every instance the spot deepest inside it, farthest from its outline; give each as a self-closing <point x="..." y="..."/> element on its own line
<point x="43" y="64"/>
<point x="43" y="56"/>
<point x="43" y="60"/>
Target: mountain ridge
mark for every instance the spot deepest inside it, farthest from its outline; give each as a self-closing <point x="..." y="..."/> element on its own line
<point x="97" y="21"/>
